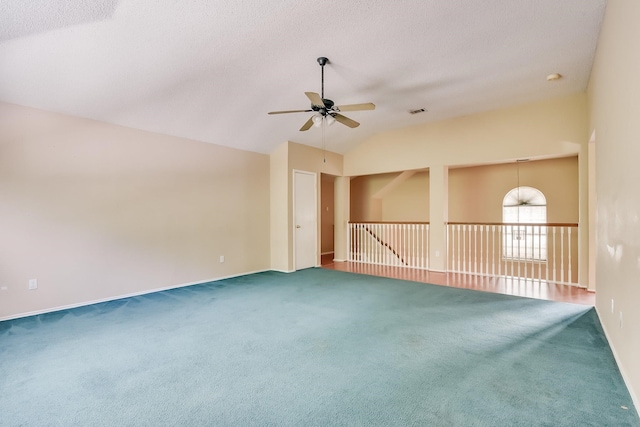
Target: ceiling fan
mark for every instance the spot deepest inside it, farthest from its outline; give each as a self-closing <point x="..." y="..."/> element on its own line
<point x="325" y="109"/>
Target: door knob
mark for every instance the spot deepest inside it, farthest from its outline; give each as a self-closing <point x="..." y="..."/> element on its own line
<point x="297" y="226"/>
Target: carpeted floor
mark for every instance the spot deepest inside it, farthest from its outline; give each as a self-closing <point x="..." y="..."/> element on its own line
<point x="312" y="348"/>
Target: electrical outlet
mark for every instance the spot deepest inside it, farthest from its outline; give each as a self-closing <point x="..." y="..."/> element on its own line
<point x="437" y="253"/>
<point x="221" y="258"/>
<point x="33" y="284"/>
<point x="612" y="306"/>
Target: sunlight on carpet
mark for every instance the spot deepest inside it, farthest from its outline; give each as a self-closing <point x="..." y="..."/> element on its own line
<point x="315" y="347"/>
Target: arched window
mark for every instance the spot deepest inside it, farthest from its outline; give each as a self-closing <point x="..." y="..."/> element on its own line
<point x="525" y="205"/>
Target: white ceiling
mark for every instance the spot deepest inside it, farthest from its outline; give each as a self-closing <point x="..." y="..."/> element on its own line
<point x="210" y="70"/>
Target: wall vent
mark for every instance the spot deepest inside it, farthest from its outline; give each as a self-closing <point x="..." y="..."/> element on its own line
<point x="419" y="110"/>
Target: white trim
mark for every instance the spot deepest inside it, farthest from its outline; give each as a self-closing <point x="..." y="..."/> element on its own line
<point x="625" y="378"/>
<point x="339" y="260"/>
<point x="277" y="270"/>
<point x="117" y="297"/>
<point x="326" y="253"/>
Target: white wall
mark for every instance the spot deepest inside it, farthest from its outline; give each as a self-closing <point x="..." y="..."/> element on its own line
<point x="94" y="211"/>
<point x="614" y="109"/>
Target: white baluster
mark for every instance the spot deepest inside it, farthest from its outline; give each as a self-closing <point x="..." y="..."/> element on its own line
<point x="562" y="253"/>
<point x="428" y="244"/>
<point x="410" y="246"/>
<point x="458" y="237"/>
<point x="519" y="249"/>
<point x="377" y="244"/>
<point x="421" y="246"/>
<point x="481" y="227"/>
<point x="570" y="276"/>
<point x="379" y="252"/>
<point x="385" y="243"/>
<point x="452" y="238"/>
<point x="546" y="233"/>
<point x="526" y="237"/>
<point x="500" y="248"/>
<point x="396" y="249"/>
<point x="473" y="248"/>
<point x="555" y="267"/>
<point x="370" y="258"/>
<point x="354" y="241"/>
<point x="464" y="249"/>
<point x="513" y="255"/>
<point x="493" y="250"/>
<point x="357" y="231"/>
<point x="415" y="245"/>
<point x="486" y="253"/>
<point x="539" y="252"/>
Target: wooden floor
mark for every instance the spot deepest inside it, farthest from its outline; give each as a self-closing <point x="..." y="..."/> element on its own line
<point x="501" y="285"/>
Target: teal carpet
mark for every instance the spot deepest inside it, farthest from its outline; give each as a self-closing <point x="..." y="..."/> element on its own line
<point x="312" y="348"/>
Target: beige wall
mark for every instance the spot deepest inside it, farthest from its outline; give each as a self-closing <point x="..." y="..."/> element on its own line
<point x="95" y="211"/>
<point x="362" y="190"/>
<point x="327" y="213"/>
<point x="286" y="158"/>
<point x="551" y="128"/>
<point x="614" y="109"/>
<point x="406" y="202"/>
<point x="476" y="193"/>
<point x="279" y="207"/>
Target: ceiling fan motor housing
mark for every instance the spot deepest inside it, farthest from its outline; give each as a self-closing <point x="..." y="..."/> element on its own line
<point x="328" y="106"/>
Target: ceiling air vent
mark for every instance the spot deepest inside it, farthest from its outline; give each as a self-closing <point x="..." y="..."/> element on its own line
<point x="419" y="110"/>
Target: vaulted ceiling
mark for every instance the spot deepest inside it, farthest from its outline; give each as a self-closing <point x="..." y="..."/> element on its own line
<point x="210" y="70"/>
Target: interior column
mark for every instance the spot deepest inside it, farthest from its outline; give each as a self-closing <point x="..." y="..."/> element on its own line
<point x="438" y="216"/>
<point x="341" y="191"/>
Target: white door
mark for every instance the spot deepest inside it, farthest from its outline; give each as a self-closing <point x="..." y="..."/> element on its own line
<point x="305" y="219"/>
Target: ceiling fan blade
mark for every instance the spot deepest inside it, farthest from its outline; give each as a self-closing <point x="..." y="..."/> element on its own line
<point x="307" y="124"/>
<point x="356" y="107"/>
<point x="315" y="99"/>
<point x="346" y="120"/>
<point x="289" y="111"/>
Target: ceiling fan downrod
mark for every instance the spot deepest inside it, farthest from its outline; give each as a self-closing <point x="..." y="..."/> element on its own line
<point x="322" y="61"/>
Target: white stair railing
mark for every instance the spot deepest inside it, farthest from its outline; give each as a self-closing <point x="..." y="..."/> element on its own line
<point x="546" y="252"/>
<point x="390" y="243"/>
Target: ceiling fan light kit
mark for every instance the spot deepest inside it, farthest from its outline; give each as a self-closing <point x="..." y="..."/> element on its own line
<point x="325" y="109"/>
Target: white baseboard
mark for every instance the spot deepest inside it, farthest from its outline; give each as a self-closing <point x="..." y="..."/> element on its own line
<point x="117" y="297"/>
<point x="625" y="378"/>
<point x="339" y="260"/>
<point x="326" y="253"/>
<point x="282" y="271"/>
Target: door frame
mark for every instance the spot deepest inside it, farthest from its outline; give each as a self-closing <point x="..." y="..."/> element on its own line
<point x="315" y="209"/>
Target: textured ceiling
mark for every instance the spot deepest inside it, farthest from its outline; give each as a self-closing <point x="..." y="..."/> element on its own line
<point x="210" y="70"/>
